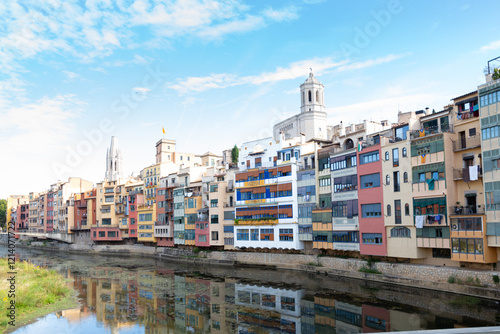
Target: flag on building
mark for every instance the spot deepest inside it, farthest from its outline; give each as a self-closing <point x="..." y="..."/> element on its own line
<point x="360" y="146"/>
<point x="422" y="158"/>
<point x="422" y="133"/>
<point x="163" y="129"/>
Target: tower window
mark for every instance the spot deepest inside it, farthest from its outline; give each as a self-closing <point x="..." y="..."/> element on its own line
<point x="310" y="96"/>
<point x="317" y="96"/>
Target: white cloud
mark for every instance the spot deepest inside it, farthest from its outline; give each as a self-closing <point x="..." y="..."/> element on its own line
<point x="71" y="76"/>
<point x="141" y="90"/>
<point x="286" y="14"/>
<point x="293" y="71"/>
<point x="91" y="29"/>
<point x="370" y="62"/>
<point x="249" y="23"/>
<point x="495" y="45"/>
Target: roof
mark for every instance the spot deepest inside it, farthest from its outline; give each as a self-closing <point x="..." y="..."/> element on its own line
<point x="459" y="97"/>
<point x="312" y="79"/>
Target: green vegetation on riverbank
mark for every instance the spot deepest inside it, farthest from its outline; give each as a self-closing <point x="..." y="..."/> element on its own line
<point x="38" y="291"/>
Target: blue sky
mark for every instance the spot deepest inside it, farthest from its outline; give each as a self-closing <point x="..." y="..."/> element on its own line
<point x="215" y="73"/>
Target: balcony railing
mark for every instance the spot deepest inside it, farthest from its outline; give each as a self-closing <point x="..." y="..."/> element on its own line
<point x="466" y="210"/>
<point x="202" y="218"/>
<point x="467" y="143"/>
<point x="431" y="131"/>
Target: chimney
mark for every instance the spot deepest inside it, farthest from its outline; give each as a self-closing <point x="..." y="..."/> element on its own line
<point x="427" y="110"/>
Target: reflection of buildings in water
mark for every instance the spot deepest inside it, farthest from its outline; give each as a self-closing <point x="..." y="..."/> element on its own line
<point x="180" y="302"/>
<point x="324" y="314"/>
<point x="222" y="310"/>
<point x="375" y="319"/>
<point x="307" y="316"/>
<point x="268" y="309"/>
<point x="197" y="303"/>
<point x="348" y="318"/>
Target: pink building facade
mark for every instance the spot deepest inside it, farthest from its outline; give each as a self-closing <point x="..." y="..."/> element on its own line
<point x="371" y="203"/>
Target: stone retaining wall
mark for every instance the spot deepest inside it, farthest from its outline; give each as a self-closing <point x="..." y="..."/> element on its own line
<point x="396" y="273"/>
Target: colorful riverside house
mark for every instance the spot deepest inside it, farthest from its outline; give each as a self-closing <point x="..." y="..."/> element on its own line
<point x="179" y="230"/>
<point x="345" y="215"/>
<point x="33" y="212"/>
<point x="371" y="211"/>
<point x="469" y="242"/>
<point x="266" y="198"/>
<point x="221" y="195"/>
<point x="107" y="224"/>
<point x="396" y="176"/>
<point x="42" y="213"/>
<point x="164" y="229"/>
<point x="146" y="214"/>
<point x="22" y="222"/>
<point x="193" y="219"/>
<point x="322" y="214"/>
<point x="51" y="200"/>
<point x="306" y="190"/>
<point x="433" y="186"/>
<point x="229" y="209"/>
<point x="135" y="199"/>
<point x="80" y="212"/>
<point x="489" y="104"/>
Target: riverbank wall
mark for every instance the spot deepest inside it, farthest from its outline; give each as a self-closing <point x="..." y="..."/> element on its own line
<point x="466" y="281"/>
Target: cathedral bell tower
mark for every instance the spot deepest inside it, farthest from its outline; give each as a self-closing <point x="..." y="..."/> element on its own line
<point x="312" y="95"/>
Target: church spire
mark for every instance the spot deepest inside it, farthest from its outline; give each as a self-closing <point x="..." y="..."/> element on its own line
<point x="113" y="161"/>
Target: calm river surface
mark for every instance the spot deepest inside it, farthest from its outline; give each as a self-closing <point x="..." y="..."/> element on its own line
<point x="141" y="295"/>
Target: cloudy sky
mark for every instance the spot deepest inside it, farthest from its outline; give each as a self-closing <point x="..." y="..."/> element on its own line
<point x="215" y="73"/>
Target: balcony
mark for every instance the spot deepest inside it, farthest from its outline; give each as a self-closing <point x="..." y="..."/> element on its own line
<point x="429" y="131"/>
<point x="81" y="204"/>
<point x="202" y="218"/>
<point x="459" y="174"/>
<point x="458" y="210"/>
<point x="466" y="143"/>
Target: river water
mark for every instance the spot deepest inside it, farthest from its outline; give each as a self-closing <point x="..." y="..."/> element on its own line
<point x="143" y="295"/>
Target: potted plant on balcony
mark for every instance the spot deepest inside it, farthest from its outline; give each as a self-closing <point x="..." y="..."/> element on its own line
<point x="458" y="209"/>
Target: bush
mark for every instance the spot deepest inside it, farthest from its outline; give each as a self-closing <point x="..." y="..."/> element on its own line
<point x="469" y="280"/>
<point x="196" y="250"/>
<point x="451" y="279"/>
<point x="496" y="279"/>
<point x="365" y="269"/>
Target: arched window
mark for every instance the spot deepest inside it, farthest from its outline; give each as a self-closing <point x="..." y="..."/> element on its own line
<point x="407" y="209"/>
<point x="388" y="210"/>
<point x="303" y="98"/>
<point x="386" y="156"/>
<point x="310" y="96"/>
<point x="348" y="144"/>
<point x="387" y="180"/>
<point x="317" y="96"/>
<point x="405" y="153"/>
<point x="405" y="177"/>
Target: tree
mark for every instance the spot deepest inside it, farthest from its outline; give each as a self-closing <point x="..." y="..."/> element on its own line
<point x="235" y="152"/>
<point x="496" y="74"/>
<point x="3" y="212"/>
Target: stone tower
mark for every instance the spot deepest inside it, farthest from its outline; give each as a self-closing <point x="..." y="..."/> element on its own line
<point x="312" y="95"/>
<point x="113" y="161"/>
<point x="311" y="121"/>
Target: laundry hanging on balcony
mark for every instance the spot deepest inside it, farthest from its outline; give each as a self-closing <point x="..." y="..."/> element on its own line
<point x="473" y="174"/>
<point x="430" y="183"/>
<point x="419" y="221"/>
